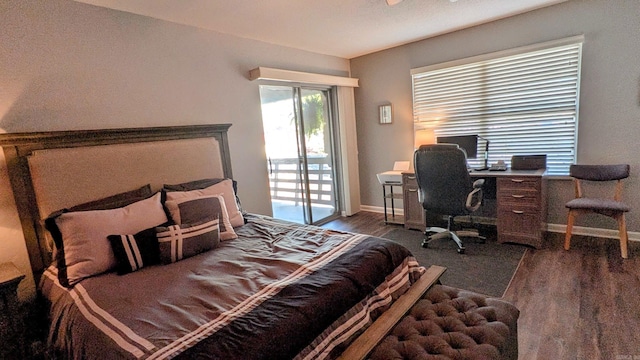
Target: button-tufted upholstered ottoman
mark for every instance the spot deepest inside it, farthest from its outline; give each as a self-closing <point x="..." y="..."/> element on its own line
<point x="449" y="323"/>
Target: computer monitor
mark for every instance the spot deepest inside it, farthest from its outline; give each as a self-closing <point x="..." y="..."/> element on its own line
<point x="468" y="143"/>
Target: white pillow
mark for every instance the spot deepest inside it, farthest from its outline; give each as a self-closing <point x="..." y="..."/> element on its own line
<point x="87" y="250"/>
<point x="224" y="188"/>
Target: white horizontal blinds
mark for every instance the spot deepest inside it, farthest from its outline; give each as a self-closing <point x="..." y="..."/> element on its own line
<point x="525" y="103"/>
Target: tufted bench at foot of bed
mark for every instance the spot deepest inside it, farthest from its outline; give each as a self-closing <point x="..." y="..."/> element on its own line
<point x="450" y="323"/>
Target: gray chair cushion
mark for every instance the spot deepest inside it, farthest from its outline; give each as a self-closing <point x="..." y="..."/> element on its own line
<point x="597" y="204"/>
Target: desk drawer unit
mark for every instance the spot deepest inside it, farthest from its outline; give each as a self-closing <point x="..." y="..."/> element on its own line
<point x="414" y="217"/>
<point x="522" y="210"/>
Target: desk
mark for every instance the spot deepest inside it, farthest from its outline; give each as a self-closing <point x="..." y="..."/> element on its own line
<point x="517" y="199"/>
<point x="392" y="196"/>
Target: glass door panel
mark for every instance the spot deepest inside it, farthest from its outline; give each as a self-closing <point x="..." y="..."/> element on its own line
<point x="298" y="141"/>
<point x="318" y="153"/>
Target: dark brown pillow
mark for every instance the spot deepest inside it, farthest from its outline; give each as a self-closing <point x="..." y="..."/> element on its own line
<point x="197" y="185"/>
<point x="115" y="201"/>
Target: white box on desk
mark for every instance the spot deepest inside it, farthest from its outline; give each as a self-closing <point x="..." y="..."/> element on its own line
<point x="393" y="176"/>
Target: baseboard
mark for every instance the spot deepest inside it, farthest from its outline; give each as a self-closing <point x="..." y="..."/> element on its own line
<point x="380" y="209"/>
<point x="555" y="228"/>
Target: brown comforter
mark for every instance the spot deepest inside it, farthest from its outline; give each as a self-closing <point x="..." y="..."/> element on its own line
<point x="279" y="291"/>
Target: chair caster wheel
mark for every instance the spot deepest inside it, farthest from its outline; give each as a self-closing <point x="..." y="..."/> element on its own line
<point x="425" y="244"/>
<point x="461" y="251"/>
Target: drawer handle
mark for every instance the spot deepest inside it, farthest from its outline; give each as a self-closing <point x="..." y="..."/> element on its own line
<point x="411" y="177"/>
<point x="412" y="190"/>
<point x="517" y="180"/>
<point x="517" y="196"/>
<point x="519" y="212"/>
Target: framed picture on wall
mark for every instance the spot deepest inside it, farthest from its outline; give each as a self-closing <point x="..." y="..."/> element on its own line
<point x="385" y="114"/>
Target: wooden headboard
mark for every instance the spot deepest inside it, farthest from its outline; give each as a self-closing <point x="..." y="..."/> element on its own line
<point x="20" y="148"/>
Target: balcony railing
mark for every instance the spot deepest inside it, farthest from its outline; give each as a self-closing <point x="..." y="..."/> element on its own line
<point x="284" y="179"/>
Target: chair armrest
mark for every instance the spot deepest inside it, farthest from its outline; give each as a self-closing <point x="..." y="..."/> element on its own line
<point x="476" y="195"/>
<point x="478" y="183"/>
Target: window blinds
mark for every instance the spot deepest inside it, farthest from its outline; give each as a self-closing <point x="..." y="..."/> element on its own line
<point x="524" y="101"/>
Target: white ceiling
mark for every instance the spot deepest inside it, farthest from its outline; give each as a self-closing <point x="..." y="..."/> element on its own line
<point x="344" y="28"/>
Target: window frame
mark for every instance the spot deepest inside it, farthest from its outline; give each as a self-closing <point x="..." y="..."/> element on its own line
<point x="458" y="120"/>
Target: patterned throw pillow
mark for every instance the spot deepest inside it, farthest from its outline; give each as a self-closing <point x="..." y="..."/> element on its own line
<point x="224" y="188"/>
<point x="133" y="252"/>
<point x="177" y="242"/>
<point x="198" y="209"/>
<point x="203" y="184"/>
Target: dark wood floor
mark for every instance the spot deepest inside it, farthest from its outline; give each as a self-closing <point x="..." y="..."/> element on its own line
<point x="578" y="304"/>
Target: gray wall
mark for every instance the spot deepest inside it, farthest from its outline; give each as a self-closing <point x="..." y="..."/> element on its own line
<point x="609" y="118"/>
<point x="68" y="66"/>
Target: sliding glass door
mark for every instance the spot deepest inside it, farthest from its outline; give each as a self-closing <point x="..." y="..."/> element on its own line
<point x="298" y="132"/>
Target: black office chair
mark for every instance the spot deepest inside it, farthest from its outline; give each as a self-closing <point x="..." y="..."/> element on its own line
<point x="445" y="188"/>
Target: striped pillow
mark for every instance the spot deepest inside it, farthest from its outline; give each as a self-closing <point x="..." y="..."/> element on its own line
<point x="223" y="188"/>
<point x="199" y="209"/>
<point x="177" y="242"/>
<point x="134" y="252"/>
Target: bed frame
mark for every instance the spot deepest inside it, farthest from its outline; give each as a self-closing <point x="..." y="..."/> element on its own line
<point x="18" y="147"/>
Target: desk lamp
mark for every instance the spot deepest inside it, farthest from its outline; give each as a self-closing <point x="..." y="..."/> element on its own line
<point x="424" y="137"/>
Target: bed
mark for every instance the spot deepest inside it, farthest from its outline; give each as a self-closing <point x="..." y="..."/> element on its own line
<point x="130" y="268"/>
